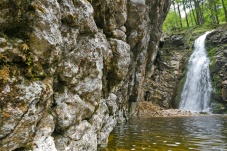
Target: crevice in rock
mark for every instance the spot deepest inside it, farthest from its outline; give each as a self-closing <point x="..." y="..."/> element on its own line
<point x="16" y="124"/>
<point x="57" y="132"/>
<point x="161" y="44"/>
<point x="20" y="12"/>
<point x="20" y="149"/>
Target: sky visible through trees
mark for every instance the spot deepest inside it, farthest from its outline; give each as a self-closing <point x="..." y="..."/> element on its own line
<point x="190" y="13"/>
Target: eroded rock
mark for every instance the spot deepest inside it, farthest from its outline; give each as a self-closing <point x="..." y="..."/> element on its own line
<point x="216" y="48"/>
<point x="68" y="69"/>
<point x="23" y="103"/>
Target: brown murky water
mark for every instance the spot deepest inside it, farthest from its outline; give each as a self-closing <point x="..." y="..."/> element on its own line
<point x="170" y="134"/>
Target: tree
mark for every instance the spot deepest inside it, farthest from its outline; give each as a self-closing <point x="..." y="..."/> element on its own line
<point x="174" y="8"/>
<point x="192" y="11"/>
<point x="224" y="8"/>
<point x="216" y="13"/>
<point x="184" y="7"/>
<point x="211" y="11"/>
<point x="199" y="14"/>
<point x="179" y="12"/>
<point x="170" y="21"/>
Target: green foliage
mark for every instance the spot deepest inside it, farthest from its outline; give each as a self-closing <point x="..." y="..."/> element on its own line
<point x="218" y="108"/>
<point x="179" y="91"/>
<point x="170" y="22"/>
<point x="216" y="82"/>
<point x="211" y="54"/>
<point x="210" y="13"/>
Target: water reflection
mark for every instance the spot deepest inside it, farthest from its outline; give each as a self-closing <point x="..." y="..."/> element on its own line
<point x="175" y="133"/>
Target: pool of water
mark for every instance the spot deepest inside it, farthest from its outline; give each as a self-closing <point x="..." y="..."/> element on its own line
<point x="170" y="133"/>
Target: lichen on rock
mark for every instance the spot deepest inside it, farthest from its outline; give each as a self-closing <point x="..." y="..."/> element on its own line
<point x="69" y="68"/>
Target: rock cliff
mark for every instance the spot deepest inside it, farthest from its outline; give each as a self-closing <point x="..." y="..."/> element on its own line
<point x="217" y="50"/>
<point x="70" y="69"/>
<point x="164" y="83"/>
<point x="161" y="83"/>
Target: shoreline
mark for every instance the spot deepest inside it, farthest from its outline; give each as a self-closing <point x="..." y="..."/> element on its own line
<point x="147" y="109"/>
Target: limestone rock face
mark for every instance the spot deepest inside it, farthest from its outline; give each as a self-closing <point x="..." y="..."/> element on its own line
<point x="23" y="104"/>
<point x="217" y="51"/>
<point x="71" y="69"/>
<point x="162" y="81"/>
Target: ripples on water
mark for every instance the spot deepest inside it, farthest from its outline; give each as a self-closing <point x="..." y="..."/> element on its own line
<point x="174" y="133"/>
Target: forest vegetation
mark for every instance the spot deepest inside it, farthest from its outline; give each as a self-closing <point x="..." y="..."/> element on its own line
<point x="192" y="13"/>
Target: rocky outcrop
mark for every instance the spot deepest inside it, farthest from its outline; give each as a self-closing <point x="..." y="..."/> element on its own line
<point x="69" y="69"/>
<point x="217" y="50"/>
<point x="162" y="82"/>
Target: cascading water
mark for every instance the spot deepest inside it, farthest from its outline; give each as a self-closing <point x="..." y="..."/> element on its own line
<point x="197" y="88"/>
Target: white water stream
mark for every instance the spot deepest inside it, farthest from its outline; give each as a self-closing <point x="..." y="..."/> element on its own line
<point x="197" y="88"/>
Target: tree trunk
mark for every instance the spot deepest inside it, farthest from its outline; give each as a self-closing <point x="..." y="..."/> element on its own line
<point x="201" y="13"/>
<point x="174" y="7"/>
<point x="191" y="17"/>
<point x="216" y="13"/>
<point x="211" y="11"/>
<point x="186" y="16"/>
<point x="193" y="13"/>
<point x="197" y="12"/>
<point x="178" y="8"/>
<point x="224" y="8"/>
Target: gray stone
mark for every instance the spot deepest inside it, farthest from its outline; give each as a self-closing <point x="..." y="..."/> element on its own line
<point x="43" y="141"/>
<point x="71" y="109"/>
<point x="70" y="67"/>
<point x="3" y="42"/>
<point x="23" y="104"/>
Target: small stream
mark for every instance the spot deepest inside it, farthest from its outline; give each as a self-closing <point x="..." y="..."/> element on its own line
<point x="170" y="133"/>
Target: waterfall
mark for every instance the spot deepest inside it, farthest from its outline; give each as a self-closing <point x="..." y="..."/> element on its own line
<point x="197" y="88"/>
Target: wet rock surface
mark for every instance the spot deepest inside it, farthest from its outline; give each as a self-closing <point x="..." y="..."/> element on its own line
<point x="217" y="47"/>
<point x="69" y="68"/>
